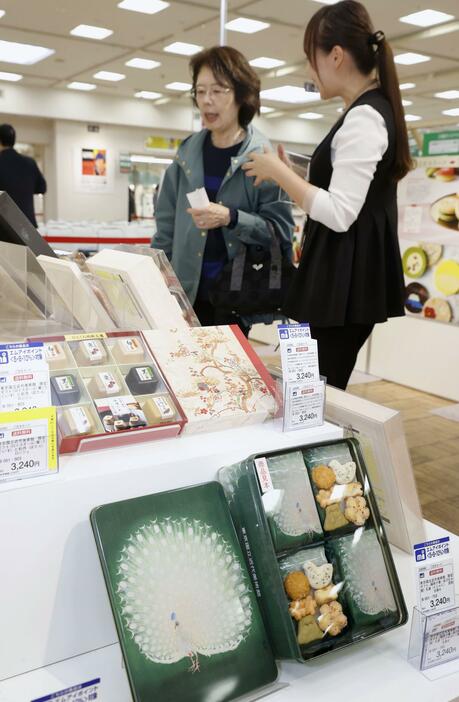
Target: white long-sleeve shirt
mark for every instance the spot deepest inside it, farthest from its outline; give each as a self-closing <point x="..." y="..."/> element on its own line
<point x="356" y="149"/>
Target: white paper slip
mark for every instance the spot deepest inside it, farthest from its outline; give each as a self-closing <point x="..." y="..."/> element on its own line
<point x="303" y="405"/>
<point x="299" y="354"/>
<point x="28" y="444"/>
<point x="441" y="644"/>
<point x="24" y="377"/>
<point x="198" y="199"/>
<point x="434" y="575"/>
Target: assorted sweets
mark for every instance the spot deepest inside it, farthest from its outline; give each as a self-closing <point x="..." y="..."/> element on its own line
<point x="106" y="384"/>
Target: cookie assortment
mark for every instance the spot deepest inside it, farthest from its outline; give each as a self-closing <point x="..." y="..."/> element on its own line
<point x="106" y="384"/>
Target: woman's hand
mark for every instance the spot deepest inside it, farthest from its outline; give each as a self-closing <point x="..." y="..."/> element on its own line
<point x="210" y="217"/>
<point x="265" y="166"/>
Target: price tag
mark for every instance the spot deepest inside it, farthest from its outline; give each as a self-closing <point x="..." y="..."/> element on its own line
<point x="28" y="443"/>
<point x="24" y="377"/>
<point x="298" y="353"/>
<point x="304" y="405"/>
<point x="441" y="641"/>
<point x="434" y="575"/>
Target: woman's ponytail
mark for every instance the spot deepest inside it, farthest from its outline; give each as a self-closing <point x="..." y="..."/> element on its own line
<point x="388" y="79"/>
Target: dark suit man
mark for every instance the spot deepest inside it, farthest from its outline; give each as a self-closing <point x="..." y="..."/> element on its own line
<point x="20" y="176"/>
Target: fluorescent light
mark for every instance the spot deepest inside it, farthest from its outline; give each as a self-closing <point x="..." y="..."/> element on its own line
<point x="410" y="58"/>
<point x="2" y="13"/>
<point x="182" y="47"/>
<point x="10" y="77"/>
<point x="451" y="113"/>
<point x="163" y="101"/>
<point x="448" y="95"/>
<point x="144" y="64"/>
<point x="147" y="95"/>
<point x="412" y="118"/>
<point x="310" y="115"/>
<point x="407" y="86"/>
<point x="76" y="85"/>
<point x="264" y="109"/>
<point x="177" y="85"/>
<point x="90" y="32"/>
<point x="246" y="26"/>
<point x="327" y="2"/>
<point x="407" y="103"/>
<point x="148" y="7"/>
<point x="109" y="75"/>
<point x="266" y="62"/>
<point x="138" y="158"/>
<point x="24" y="54"/>
<point x="426" y="18"/>
<point x="288" y="93"/>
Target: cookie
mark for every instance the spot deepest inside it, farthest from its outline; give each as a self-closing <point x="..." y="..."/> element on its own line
<point x="302" y="608"/>
<point x="416" y="295"/>
<point x="445" y="174"/>
<point x="356" y="510"/>
<point x="308" y="631"/>
<point x="434" y="251"/>
<point x="334" y="518"/>
<point x="318" y="576"/>
<point x="446" y="277"/>
<point x="296" y="585"/>
<point x="344" y="472"/>
<point x="437" y="308"/>
<point x="332" y="620"/>
<point x="327" y="594"/>
<point x="323" y="477"/>
<point x="414" y="262"/>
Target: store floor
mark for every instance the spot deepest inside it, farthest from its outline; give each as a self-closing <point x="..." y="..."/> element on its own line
<point x="433" y="442"/>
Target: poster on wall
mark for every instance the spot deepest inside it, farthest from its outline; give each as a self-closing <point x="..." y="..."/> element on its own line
<point x="93" y="170"/>
<point x="428" y="201"/>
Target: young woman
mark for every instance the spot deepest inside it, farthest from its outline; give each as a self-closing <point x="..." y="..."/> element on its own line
<point x="350" y="275"/>
<point x="199" y="242"/>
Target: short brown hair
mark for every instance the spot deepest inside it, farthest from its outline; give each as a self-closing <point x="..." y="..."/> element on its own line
<point x="231" y="67"/>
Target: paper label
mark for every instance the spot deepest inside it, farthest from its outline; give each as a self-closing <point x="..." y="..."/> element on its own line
<point x="28" y="443"/>
<point x="441" y="642"/>
<point x="145" y="373"/>
<point x="198" y="199"/>
<point x="24" y="377"/>
<point x="298" y="353"/>
<point x="80" y="419"/>
<point x="163" y="406"/>
<point x="83" y="337"/>
<point x="434" y="574"/>
<point x="264" y="476"/>
<point x="303" y="405"/>
<point x="84" y="692"/>
<point x="109" y="383"/>
<point x="65" y="383"/>
<point x="130" y="345"/>
<point x="54" y="351"/>
<point x="93" y="349"/>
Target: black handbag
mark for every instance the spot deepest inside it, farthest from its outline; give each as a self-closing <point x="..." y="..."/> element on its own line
<point x="255" y="281"/>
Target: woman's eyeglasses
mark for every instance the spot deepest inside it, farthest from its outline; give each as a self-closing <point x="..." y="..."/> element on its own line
<point x="215" y="92"/>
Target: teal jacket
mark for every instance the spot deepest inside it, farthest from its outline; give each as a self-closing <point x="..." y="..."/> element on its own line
<point x="183" y="242"/>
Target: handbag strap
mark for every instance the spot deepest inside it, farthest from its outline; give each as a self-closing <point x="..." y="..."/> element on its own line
<point x="275" y="272"/>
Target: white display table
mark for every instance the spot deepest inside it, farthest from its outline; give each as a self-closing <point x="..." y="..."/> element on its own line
<point x="56" y="625"/>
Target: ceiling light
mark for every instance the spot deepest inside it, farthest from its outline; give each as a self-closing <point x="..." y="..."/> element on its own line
<point x="288" y="93"/>
<point x="407" y="86"/>
<point x="266" y="62"/>
<point x="412" y="118"/>
<point x="138" y="158"/>
<point x="448" y="95"/>
<point x="451" y="113"/>
<point x="25" y="54"/>
<point x="90" y="32"/>
<point x="144" y="64"/>
<point x="109" y="75"/>
<point x="264" y="109"/>
<point x="2" y="13"/>
<point x="177" y="85"/>
<point x="327" y="2"/>
<point x="11" y="77"/>
<point x="163" y="101"/>
<point x="147" y="95"/>
<point x="246" y="26"/>
<point x="181" y="47"/>
<point x="426" y="18"/>
<point x="148" y="7"/>
<point x="410" y="58"/>
<point x="76" y="85"/>
<point x="310" y="115"/>
<point x="407" y="103"/>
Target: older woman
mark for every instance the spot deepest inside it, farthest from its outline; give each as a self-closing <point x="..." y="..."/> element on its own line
<point x="199" y="242"/>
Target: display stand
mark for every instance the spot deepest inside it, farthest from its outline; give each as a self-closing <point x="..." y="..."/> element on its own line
<point x="434" y="642"/>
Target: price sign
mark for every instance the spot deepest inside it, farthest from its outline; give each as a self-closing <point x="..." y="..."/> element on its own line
<point x="434" y="575"/>
<point x="441" y="641"/>
<point x="298" y="353"/>
<point x="28" y="444"/>
<point x="24" y="377"/>
<point x="304" y="405"/>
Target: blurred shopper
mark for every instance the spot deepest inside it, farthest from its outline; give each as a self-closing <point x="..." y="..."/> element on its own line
<point x="350" y="275"/>
<point x="199" y="242"/>
<point x="20" y="176"/>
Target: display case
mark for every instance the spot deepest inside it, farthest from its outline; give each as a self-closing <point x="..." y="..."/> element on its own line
<point x="315" y="546"/>
<point x="109" y="391"/>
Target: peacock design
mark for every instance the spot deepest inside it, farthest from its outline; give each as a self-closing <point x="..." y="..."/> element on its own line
<point x="183" y="591"/>
<point x="364" y="572"/>
<point x="297" y="513"/>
